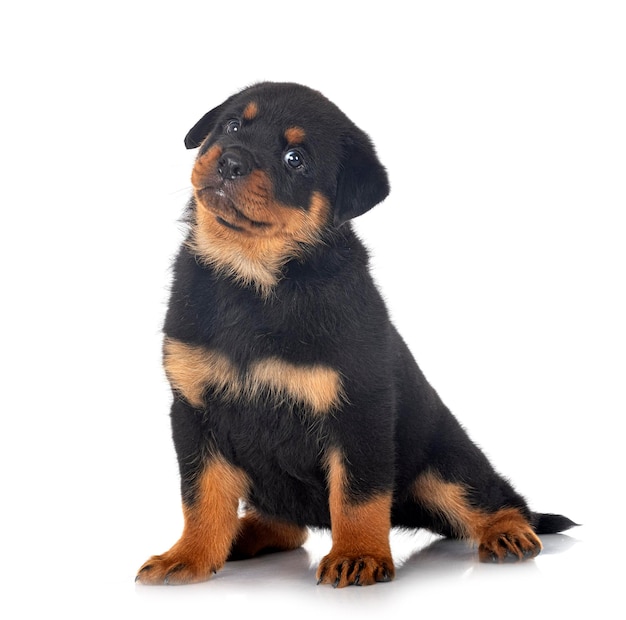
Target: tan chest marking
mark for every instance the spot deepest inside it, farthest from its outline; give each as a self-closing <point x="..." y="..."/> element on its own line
<point x="192" y="369"/>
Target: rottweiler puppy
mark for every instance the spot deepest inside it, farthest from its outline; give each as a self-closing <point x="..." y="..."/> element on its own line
<point x="296" y="403"/>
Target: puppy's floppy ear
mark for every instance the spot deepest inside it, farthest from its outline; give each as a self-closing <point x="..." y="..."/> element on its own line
<point x="204" y="126"/>
<point x="362" y="182"/>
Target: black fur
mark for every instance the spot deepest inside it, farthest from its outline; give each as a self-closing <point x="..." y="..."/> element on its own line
<point x="391" y="426"/>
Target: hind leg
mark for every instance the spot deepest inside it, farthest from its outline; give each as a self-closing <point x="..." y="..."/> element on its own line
<point x="445" y="483"/>
<point x="499" y="527"/>
<point x="259" y="535"/>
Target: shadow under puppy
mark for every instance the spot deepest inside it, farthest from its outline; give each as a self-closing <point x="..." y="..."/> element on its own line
<point x="292" y="391"/>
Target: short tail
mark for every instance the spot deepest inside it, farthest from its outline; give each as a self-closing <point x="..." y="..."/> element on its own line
<point x="544" y="523"/>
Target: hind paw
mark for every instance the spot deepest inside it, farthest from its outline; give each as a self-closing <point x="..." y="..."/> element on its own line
<point x="508" y="537"/>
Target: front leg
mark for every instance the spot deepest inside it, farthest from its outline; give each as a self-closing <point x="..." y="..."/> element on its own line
<point x="211" y="526"/>
<point x="360" y="553"/>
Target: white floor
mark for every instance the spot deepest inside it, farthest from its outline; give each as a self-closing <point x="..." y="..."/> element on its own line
<point x="434" y="576"/>
<point x="431" y="575"/>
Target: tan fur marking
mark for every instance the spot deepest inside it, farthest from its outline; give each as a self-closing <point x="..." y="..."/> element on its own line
<point x="448" y="500"/>
<point x="255" y="256"/>
<point x="360" y="552"/>
<point x="191" y="369"/>
<point x="258" y="534"/>
<point x="318" y="386"/>
<point x="507" y="533"/>
<point x="295" y="135"/>
<point x="211" y="525"/>
<point x="250" y="261"/>
<point x="499" y="533"/>
<point x="204" y="164"/>
<point x="251" y="110"/>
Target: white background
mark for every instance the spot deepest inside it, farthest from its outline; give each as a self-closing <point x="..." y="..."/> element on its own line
<point x="500" y="251"/>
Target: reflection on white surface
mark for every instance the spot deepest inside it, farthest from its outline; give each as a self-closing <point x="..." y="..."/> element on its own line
<point x="433" y="575"/>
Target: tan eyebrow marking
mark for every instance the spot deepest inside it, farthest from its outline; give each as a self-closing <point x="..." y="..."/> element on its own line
<point x="295" y="135"/>
<point x="251" y="111"/>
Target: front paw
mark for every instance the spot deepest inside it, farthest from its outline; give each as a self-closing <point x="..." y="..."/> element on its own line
<point x="174" y="568"/>
<point x="342" y="570"/>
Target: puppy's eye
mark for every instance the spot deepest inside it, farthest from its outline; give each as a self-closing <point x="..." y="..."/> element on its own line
<point x="294" y="159"/>
<point x="232" y="126"/>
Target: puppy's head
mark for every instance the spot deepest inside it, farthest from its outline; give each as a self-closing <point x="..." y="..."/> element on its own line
<point x="278" y="165"/>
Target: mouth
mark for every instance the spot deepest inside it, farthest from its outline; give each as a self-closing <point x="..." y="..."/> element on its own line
<point x="216" y="200"/>
<point x="223" y="222"/>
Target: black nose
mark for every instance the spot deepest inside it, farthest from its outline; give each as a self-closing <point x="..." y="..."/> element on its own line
<point x="234" y="163"/>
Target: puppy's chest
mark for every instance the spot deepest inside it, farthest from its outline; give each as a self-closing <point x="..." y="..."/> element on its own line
<point x="259" y="355"/>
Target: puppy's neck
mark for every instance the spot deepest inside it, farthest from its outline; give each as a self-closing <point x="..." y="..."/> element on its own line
<point x="256" y="261"/>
